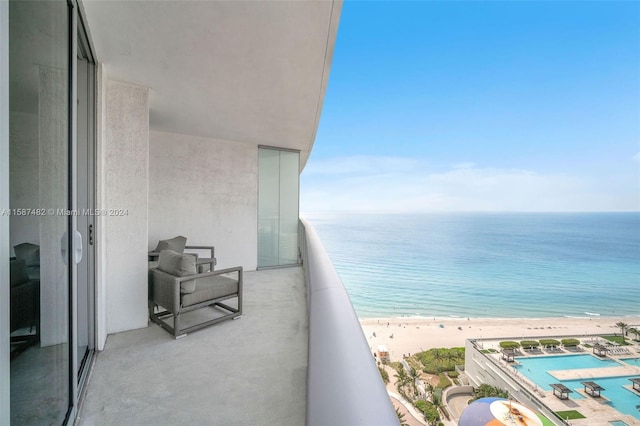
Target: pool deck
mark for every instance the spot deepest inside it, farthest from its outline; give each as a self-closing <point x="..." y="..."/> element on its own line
<point x="589" y="373"/>
<point x="597" y="411"/>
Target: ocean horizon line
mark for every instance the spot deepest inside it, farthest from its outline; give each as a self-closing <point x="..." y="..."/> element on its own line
<point x="459" y="318"/>
<point x="375" y="212"/>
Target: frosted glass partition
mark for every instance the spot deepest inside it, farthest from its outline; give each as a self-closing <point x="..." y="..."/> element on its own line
<point x="278" y="194"/>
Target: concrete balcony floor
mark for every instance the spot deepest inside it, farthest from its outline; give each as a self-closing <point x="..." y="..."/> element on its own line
<point x="247" y="371"/>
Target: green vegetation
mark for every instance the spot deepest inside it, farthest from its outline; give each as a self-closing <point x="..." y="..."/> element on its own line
<point x="485" y="391"/>
<point x="570" y="415"/>
<point x="616" y="339"/>
<point x="622" y="326"/>
<point x="508" y="344"/>
<point x="401" y="418"/>
<point x="570" y="342"/>
<point x="413" y="363"/>
<point x="384" y="375"/>
<point x="402" y="380"/>
<point x="635" y="332"/>
<point x="397" y="365"/>
<point x="413" y="376"/>
<point x="437" y="360"/>
<point x="429" y="410"/>
<point x="529" y="343"/>
<point x="443" y="381"/>
<point x="549" y="342"/>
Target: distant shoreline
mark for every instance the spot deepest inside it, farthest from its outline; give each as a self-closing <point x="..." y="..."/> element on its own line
<point x="411" y="335"/>
<point x="422" y="318"/>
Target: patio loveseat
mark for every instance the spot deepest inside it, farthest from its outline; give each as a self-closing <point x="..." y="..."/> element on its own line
<point x="178" y="288"/>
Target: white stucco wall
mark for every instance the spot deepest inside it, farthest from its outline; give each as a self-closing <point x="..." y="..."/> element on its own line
<point x="207" y="190"/>
<point x="125" y="169"/>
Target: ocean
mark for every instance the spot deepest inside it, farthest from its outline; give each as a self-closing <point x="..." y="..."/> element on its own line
<point x="494" y="265"/>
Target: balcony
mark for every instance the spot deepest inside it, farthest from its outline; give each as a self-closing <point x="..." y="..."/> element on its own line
<point x="247" y="371"/>
<point x="297" y="356"/>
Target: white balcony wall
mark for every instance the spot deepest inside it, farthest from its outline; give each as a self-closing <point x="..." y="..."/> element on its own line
<point x="207" y="190"/>
<point x="125" y="176"/>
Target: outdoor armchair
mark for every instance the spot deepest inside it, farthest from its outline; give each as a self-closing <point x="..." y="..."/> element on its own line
<point x="178" y="288"/>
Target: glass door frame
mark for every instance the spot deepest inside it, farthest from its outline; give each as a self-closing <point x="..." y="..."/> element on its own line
<point x="79" y="42"/>
<point x="5" y="346"/>
<point x="76" y="29"/>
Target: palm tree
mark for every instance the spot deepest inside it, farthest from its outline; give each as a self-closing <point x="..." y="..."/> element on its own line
<point x="413" y="375"/>
<point x="401" y="418"/>
<point x="429" y="387"/>
<point x="622" y="326"/>
<point x="437" y="402"/>
<point x="634" y="331"/>
<point x="402" y="379"/>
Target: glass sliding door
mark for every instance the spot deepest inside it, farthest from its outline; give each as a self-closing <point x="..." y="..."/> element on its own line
<point x="85" y="199"/>
<point x="39" y="196"/>
<point x="278" y="205"/>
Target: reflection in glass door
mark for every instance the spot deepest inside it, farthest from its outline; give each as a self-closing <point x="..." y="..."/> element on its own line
<point x="39" y="196"/>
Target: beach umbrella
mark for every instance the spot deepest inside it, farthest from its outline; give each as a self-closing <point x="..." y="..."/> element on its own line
<point x="500" y="411"/>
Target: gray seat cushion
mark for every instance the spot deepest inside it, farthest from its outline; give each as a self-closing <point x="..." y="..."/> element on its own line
<point x="179" y="265"/>
<point x="176" y="244"/>
<point x="209" y="288"/>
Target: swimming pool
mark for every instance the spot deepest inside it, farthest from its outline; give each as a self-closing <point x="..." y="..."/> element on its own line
<point x="622" y="399"/>
<point x="631" y="361"/>
<point x="566" y="362"/>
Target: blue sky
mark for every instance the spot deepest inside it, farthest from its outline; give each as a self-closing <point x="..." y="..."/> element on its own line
<point x="480" y="106"/>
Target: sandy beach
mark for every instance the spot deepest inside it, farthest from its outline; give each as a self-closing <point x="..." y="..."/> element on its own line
<point x="411" y="335"/>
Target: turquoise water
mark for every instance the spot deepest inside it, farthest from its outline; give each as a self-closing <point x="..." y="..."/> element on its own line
<point x="565" y="362"/>
<point x="631" y="361"/>
<point x="622" y="399"/>
<point x="486" y="264"/>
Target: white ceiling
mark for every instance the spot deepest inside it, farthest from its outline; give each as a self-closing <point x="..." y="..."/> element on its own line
<point x="246" y="71"/>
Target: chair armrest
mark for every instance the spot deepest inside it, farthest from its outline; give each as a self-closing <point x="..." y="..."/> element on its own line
<point x="165" y="290"/>
<point x="210" y="248"/>
<point x="237" y="269"/>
